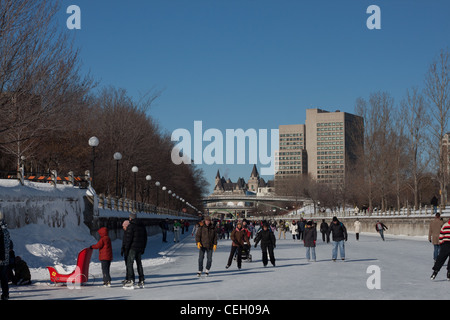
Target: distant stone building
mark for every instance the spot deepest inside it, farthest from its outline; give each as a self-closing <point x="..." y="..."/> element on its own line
<point x="255" y="185"/>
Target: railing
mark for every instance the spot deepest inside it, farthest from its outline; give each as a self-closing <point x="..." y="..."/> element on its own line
<point x="127" y="205"/>
<point x="424" y="211"/>
<point x="105" y="202"/>
<point x="47" y="177"/>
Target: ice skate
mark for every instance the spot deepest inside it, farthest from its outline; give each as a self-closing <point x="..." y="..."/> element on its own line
<point x="128" y="285"/>
<point x="433" y="276"/>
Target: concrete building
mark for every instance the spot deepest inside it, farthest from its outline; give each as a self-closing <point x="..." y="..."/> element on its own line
<point x="326" y="147"/>
<point x="334" y="143"/>
<point x="291" y="156"/>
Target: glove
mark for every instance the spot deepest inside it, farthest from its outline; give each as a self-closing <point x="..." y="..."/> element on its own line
<point x="214" y="247"/>
<point x="256" y="245"/>
<point x="199" y="245"/>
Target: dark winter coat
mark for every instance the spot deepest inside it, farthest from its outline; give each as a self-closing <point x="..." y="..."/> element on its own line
<point x="380" y="226"/>
<point x="338" y="231"/>
<point x="324" y="227"/>
<point x="135" y="237"/>
<point x="239" y="237"/>
<point x="266" y="237"/>
<point x="104" y="245"/>
<point x="207" y="236"/>
<point x="22" y="272"/>
<point x="5" y="243"/>
<point x="310" y="236"/>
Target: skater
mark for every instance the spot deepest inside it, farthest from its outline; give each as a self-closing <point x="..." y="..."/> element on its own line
<point x="339" y="235"/>
<point x="176" y="231"/>
<point x="164" y="225"/>
<point x="105" y="254"/>
<point x="282" y="230"/>
<point x="134" y="248"/>
<point x="294" y="230"/>
<point x="434" y="202"/>
<point x="309" y="240"/>
<point x="357" y="226"/>
<point x="268" y="243"/>
<point x="195" y="229"/>
<point x="444" y="253"/>
<point x="324" y="231"/>
<point x="206" y="239"/>
<point x="239" y="238"/>
<point x="301" y="228"/>
<point x="380" y="227"/>
<point x="434" y="232"/>
<point x="4" y="257"/>
<point x="125" y="225"/>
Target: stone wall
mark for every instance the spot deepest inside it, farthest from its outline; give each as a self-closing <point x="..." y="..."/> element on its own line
<point x="408" y="226"/>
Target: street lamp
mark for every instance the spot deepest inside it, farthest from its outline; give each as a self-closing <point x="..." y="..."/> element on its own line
<point x="93" y="142"/>
<point x="117" y="156"/>
<point x="164" y="195"/>
<point x="135" y="171"/>
<point x="168" y="198"/>
<point x="157" y="184"/>
<point x="148" y="178"/>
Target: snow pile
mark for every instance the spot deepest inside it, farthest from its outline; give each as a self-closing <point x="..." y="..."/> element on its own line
<point x="41" y="203"/>
<point x="47" y="229"/>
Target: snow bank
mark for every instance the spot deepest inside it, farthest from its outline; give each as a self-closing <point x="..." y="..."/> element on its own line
<point x="41" y="203"/>
<point x="47" y="228"/>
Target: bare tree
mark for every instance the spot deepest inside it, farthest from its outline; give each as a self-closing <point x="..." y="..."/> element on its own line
<point x="39" y="73"/>
<point x="413" y="111"/>
<point x="377" y="113"/>
<point x="437" y="92"/>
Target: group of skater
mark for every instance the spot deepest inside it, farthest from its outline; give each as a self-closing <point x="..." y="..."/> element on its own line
<point x="207" y="234"/>
<point x="134" y="243"/>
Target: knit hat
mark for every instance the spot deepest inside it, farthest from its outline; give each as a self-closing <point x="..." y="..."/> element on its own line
<point x="335" y="219"/>
<point x="132" y="215"/>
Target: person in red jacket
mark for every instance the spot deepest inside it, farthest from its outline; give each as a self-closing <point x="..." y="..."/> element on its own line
<point x="105" y="254"/>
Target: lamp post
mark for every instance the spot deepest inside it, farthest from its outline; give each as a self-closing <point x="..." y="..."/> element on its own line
<point x="164" y="195"/>
<point x="117" y="156"/>
<point x="157" y="184"/>
<point x="135" y="171"/>
<point x="148" y="178"/>
<point x="168" y="198"/>
<point x="175" y="201"/>
<point x="93" y="142"/>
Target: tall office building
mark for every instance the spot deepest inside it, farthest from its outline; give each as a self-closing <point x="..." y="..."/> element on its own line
<point x="334" y="144"/>
<point x="291" y="157"/>
<point x="327" y="146"/>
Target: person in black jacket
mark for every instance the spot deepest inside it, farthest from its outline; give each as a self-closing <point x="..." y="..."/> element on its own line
<point x="135" y="241"/>
<point x="268" y="243"/>
<point x="309" y="240"/>
<point x="324" y="231"/>
<point x="339" y="235"/>
<point x="5" y="242"/>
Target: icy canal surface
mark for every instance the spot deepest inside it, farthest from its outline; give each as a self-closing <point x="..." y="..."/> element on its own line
<point x="400" y="267"/>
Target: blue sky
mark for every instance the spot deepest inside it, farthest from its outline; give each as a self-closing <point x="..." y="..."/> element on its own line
<point x="257" y="63"/>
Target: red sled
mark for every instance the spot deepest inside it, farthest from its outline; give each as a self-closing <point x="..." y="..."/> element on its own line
<point x="79" y="275"/>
